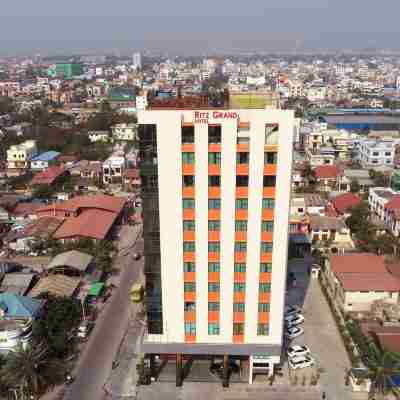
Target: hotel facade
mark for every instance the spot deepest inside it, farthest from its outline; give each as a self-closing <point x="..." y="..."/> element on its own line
<point x="216" y="193"/>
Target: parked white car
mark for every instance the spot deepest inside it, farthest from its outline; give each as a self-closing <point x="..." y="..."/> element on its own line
<point x="294" y="332"/>
<point x="301" y="362"/>
<point x="296" y="351"/>
<point x="290" y="310"/>
<point x="297" y="320"/>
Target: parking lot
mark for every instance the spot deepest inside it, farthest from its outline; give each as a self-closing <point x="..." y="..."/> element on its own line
<point x="320" y="335"/>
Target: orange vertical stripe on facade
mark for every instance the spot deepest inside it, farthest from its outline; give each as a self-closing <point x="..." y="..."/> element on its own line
<point x="239" y="277"/>
<point x="214" y="192"/>
<point x="241" y="236"/>
<point x="267" y="214"/>
<point x="214" y="236"/>
<point x="265" y="277"/>
<point x="189" y="214"/>
<point x="266" y="236"/>
<point x="242" y="192"/>
<point x="190" y="338"/>
<point x="264" y="297"/>
<point x="188" y="148"/>
<point x="190" y="296"/>
<point x="190" y="316"/>
<point x="213" y="316"/>
<point x="214" y="148"/>
<point x="214" y="215"/>
<point x="213" y="296"/>
<point x="239" y="297"/>
<point x="238" y="316"/>
<point x="270" y="169"/>
<point x="238" y="338"/>
<point x="213" y="276"/>
<point x="240" y="257"/>
<point x="189" y="256"/>
<point x="214" y="169"/>
<point x="241" y="214"/>
<point x="188" y="193"/>
<point x="269" y="192"/>
<point x="263" y="317"/>
<point x="187" y="169"/>
<point x="188" y="236"/>
<point x="242" y="169"/>
<point x="266" y="257"/>
<point x="189" y="276"/>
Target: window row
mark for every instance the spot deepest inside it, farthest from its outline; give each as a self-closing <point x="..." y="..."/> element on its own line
<point x="241" y="180"/>
<point x="239" y="204"/>
<point x="240" y="225"/>
<point x="214" y="329"/>
<point x="215" y="306"/>
<point x="216" y="267"/>
<point x="214" y="158"/>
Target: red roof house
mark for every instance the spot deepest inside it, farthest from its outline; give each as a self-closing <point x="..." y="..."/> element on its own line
<point x="48" y="176"/>
<point x="327" y="172"/>
<point x="344" y="202"/>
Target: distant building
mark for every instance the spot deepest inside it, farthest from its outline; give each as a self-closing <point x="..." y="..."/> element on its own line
<point x="374" y="153"/>
<point x="137" y="60"/>
<point x="126" y="132"/>
<point x="65" y="70"/>
<point x="377" y="199"/>
<point x="113" y="169"/>
<point x="19" y="157"/>
<point x="44" y="160"/>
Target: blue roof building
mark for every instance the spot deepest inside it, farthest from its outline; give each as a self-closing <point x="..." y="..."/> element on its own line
<point x="47" y="156"/>
<point x="15" y="306"/>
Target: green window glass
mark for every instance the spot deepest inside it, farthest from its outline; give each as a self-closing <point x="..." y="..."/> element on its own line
<point x="188" y="158"/>
<point x="188" y="203"/>
<point x="189" y="225"/>
<point x="266" y="247"/>
<point x="214" y="158"/>
<point x="189" y="287"/>
<point x="270" y="157"/>
<point x="213" y="287"/>
<point x="213" y="306"/>
<point x="213" y="247"/>
<point x="238" y="328"/>
<point x="238" y="307"/>
<point x="214" y="225"/>
<point x="189" y="267"/>
<point x="213" y="267"/>
<point x="265" y="267"/>
<point x="214" y="203"/>
<point x="240" y="225"/>
<point x="190" y="328"/>
<point x="189" y="306"/>
<point x="239" y="287"/>
<point x="240" y="247"/>
<point x="263" y="307"/>
<point x="241" y="203"/>
<point x="213" y="328"/>
<point x="268" y="203"/>
<point x="189" y="246"/>
<point x="264" y="287"/>
<point x="240" y="267"/>
<point x="267" y="226"/>
<point x="242" y="158"/>
<point x="262" y="329"/>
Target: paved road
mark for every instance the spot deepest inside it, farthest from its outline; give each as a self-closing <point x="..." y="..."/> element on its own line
<point x="96" y="361"/>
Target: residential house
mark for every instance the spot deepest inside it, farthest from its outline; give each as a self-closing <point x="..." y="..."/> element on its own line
<point x="377" y="199"/>
<point x="113" y="169"/>
<point x="315" y="204"/>
<point x="361" y="176"/>
<point x="19" y="157"/>
<point x="392" y="215"/>
<point x="124" y="132"/>
<point x="44" y="160"/>
<point x="343" y="203"/>
<point x="49" y="176"/>
<point x="25" y="210"/>
<point x="327" y="177"/>
<point x="357" y="280"/>
<point x="333" y="229"/>
<point x="373" y="153"/>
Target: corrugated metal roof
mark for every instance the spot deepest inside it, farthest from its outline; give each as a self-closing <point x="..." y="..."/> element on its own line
<point x="74" y="259"/>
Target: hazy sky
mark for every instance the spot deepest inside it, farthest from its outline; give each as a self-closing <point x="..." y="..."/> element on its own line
<point x="196" y="26"/>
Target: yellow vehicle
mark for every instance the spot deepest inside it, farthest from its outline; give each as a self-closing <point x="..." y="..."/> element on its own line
<point x="137" y="292"/>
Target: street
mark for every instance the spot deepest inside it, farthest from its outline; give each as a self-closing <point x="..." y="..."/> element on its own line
<point x="95" y="364"/>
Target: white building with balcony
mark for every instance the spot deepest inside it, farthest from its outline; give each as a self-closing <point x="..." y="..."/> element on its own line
<point x="113" y="169"/>
<point x="19" y="157"/>
<point x="374" y="153"/>
<point x="127" y="132"/>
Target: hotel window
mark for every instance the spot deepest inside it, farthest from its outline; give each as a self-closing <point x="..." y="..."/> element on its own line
<point x="213" y="247"/>
<point x="242" y="181"/>
<point x="188" y="158"/>
<point x="189" y="246"/>
<point x="240" y="247"/>
<point x="238" y="307"/>
<point x="241" y="204"/>
<point x="242" y="158"/>
<point x="189" y="306"/>
<point x="189" y="267"/>
<point x="214" y="204"/>
<point x="189" y="287"/>
<point x="266" y="247"/>
<point x="190" y="328"/>
<point x="213" y="328"/>
<point x="239" y="287"/>
<point x="213" y="286"/>
<point x="189" y="225"/>
<point x="188" y="204"/>
<point x="214" y="225"/>
<point x="267" y="226"/>
<point x="188" y="180"/>
<point x="238" y="329"/>
<point x="269" y="181"/>
<point x="214" y="180"/>
<point x="213" y="306"/>
<point x="263" y="307"/>
<point x="188" y="134"/>
<point x="214" y="267"/>
<point x="262" y="329"/>
<point x="214" y="158"/>
<point x="214" y="133"/>
<point x="265" y="267"/>
<point x="268" y="204"/>
<point x="264" y="287"/>
<point x="239" y="267"/>
<point x="240" y="225"/>
<point x="270" y="157"/>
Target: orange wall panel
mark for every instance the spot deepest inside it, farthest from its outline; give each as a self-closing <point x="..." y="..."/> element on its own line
<point x="190" y="316"/>
<point x="213" y="296"/>
<point x="240" y="214"/>
<point x="264" y="297"/>
<point x="263" y="317"/>
<point x="214" y="192"/>
<point x="238" y="338"/>
<point x="190" y="338"/>
<point x="190" y="296"/>
<point x="239" y="297"/>
<point x="267" y="214"/>
<point x="239" y="276"/>
<point x="187" y="169"/>
<point x="241" y="236"/>
<point x="188" y="148"/>
<point x="265" y="277"/>
<point x="213" y="276"/>
<point x="214" y="236"/>
<point x="213" y="257"/>
<point x="214" y="169"/>
<point x="242" y="169"/>
<point x="189" y="276"/>
<point x="269" y="192"/>
<point x="242" y="147"/>
<point x="240" y="257"/>
<point x="188" y="192"/>
<point x="214" y="148"/>
<point x="189" y="214"/>
<point x="238" y="316"/>
<point x="213" y="316"/>
<point x="242" y="192"/>
<point x="270" y="169"/>
<point x="189" y="236"/>
<point x="189" y="256"/>
<point x="266" y="257"/>
<point x="266" y="236"/>
<point x="271" y="147"/>
<point x="214" y="215"/>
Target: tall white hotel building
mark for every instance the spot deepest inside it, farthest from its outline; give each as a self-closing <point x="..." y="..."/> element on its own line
<point x="216" y="191"/>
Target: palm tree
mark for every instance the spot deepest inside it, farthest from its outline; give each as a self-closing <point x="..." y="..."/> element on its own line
<point x="31" y="369"/>
<point x="382" y="367"/>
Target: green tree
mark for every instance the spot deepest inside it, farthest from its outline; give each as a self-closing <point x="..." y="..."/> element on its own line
<point x="43" y="191"/>
<point x="358" y="219"/>
<point x="32" y="369"/>
<point x="354" y="186"/>
<point x="379" y="178"/>
<point x="382" y="367"/>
